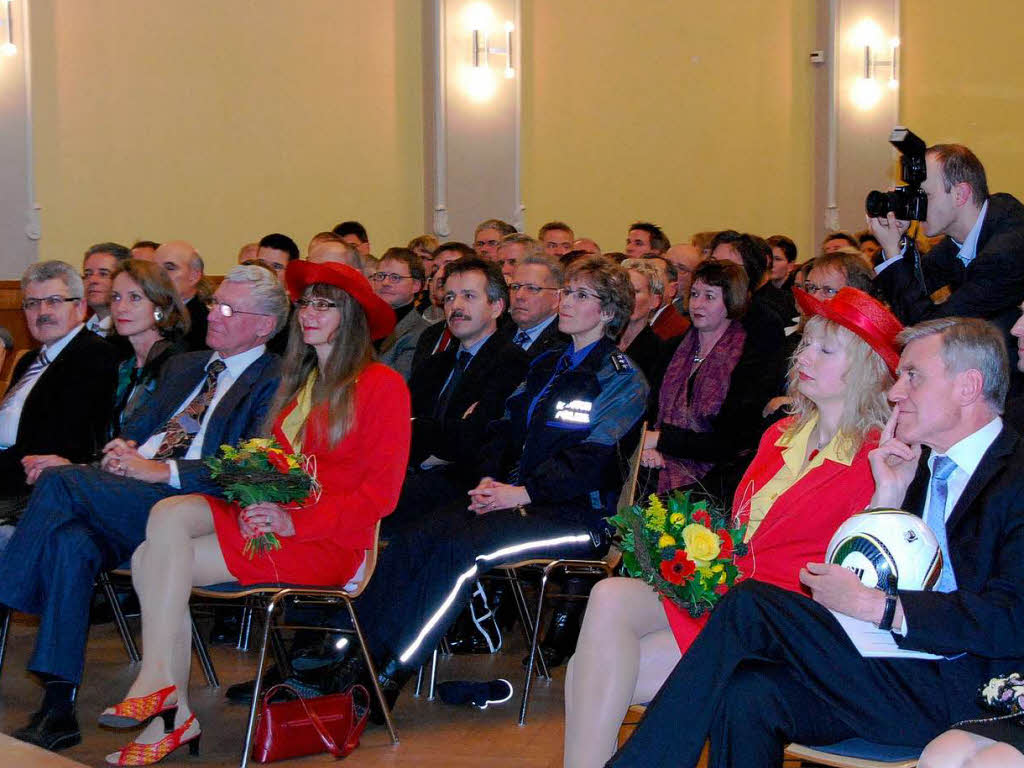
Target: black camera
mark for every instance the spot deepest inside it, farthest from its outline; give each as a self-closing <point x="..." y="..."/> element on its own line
<point x="910" y="202"/>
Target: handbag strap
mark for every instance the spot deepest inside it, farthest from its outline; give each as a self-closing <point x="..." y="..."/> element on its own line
<point x="351" y="740"/>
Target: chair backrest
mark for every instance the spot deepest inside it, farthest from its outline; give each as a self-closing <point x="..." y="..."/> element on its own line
<point x="628" y="495"/>
<point x="369" y="565"/>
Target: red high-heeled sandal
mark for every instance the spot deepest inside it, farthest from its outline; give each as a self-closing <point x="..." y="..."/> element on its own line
<point x="147" y="754"/>
<point x="139" y="710"/>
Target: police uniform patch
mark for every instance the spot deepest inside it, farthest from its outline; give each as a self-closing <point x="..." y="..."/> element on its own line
<point x="574" y="411"/>
<point x="621" y="363"/>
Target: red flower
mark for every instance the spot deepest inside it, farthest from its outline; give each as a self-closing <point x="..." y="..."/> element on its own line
<point x="721" y="589"/>
<point x="678" y="569"/>
<point x="278" y="461"/>
<point x="726" y="550"/>
<point x="701" y="516"/>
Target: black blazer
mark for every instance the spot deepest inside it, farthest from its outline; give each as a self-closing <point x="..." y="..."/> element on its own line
<point x="549" y="338"/>
<point x="240" y="414"/>
<point x="425" y="345"/>
<point x="493" y="374"/>
<point x="68" y="410"/>
<point x="195" y="339"/>
<point x="986" y="544"/>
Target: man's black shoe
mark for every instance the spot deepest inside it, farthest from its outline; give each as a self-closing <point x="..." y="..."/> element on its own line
<point x="553" y="657"/>
<point x="472" y="642"/>
<point x="52" y="729"/>
<point x="241" y="693"/>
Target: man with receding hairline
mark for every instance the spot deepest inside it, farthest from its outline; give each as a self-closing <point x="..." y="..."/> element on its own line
<point x="184" y="266"/>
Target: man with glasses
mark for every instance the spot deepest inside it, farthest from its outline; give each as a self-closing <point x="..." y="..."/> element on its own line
<point x="534" y="304"/>
<point x="82" y="519"/>
<point x="185" y="267"/>
<point x="488" y="237"/>
<point x="98" y="267"/>
<point x="398" y="279"/>
<point x="60" y="397"/>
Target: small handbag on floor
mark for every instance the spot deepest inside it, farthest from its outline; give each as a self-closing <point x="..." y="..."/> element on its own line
<point x="288" y="729"/>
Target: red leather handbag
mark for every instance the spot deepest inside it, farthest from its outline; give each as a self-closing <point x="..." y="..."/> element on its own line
<point x="301" y="727"/>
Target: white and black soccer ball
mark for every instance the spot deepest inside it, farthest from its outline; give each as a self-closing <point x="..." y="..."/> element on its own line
<point x="881" y="542"/>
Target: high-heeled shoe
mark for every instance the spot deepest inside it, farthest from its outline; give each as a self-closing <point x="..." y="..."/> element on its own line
<point x="139" y="710"/>
<point x="147" y="754"/>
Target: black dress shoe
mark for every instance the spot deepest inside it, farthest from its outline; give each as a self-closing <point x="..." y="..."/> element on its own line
<point x="52" y="729"/>
<point x="469" y="643"/>
<point x="241" y="693"/>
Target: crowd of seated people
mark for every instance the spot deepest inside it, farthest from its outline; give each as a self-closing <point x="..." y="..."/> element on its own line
<point x="484" y="399"/>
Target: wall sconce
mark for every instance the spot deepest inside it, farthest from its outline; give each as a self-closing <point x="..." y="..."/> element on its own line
<point x="867" y="91"/>
<point x="479" y="80"/>
<point x="481" y="49"/>
<point x="8" y="48"/>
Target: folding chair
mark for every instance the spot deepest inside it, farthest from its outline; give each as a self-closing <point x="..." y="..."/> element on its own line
<point x="273" y="595"/>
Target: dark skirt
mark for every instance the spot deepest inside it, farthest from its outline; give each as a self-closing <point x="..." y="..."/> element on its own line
<point x="1009" y="730"/>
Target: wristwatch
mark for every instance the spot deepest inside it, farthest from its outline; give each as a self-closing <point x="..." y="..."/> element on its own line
<point x="891" y="594"/>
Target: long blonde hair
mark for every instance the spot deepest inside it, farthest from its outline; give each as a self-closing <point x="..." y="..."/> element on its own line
<point x="867" y="380"/>
<point x="351" y="352"/>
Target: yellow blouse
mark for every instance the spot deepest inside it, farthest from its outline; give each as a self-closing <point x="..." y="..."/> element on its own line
<point x="292" y="423"/>
<point x="792" y="470"/>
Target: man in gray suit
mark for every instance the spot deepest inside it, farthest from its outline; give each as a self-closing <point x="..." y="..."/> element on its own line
<point x="398" y="279"/>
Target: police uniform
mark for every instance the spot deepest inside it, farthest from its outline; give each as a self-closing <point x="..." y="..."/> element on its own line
<point x="564" y="437"/>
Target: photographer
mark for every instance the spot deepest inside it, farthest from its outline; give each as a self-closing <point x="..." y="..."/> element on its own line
<point x="981" y="259"/>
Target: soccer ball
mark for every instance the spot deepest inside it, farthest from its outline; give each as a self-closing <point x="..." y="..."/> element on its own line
<point x="885" y="542"/>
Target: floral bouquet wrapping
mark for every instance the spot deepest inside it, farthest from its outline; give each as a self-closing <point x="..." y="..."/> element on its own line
<point x="259" y="470"/>
<point x="684" y="547"/>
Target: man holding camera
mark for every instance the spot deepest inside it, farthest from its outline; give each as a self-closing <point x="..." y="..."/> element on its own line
<point x="981" y="259"/>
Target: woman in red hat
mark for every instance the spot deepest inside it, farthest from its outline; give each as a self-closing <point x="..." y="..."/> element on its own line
<point x="810" y="473"/>
<point x="334" y="403"/>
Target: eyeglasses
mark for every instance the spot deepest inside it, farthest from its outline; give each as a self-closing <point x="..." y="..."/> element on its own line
<point x="530" y="288"/>
<point x="227" y="310"/>
<point x="578" y="293"/>
<point x="389" y="277"/>
<point x="320" y="305"/>
<point x="488" y="243"/>
<point x="827" y="291"/>
<point x="51" y="302"/>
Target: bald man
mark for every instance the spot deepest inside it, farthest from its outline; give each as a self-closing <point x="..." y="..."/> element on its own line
<point x="323" y="250"/>
<point x="184" y="266"/>
<point x="685" y="257"/>
<point x="587" y="245"/>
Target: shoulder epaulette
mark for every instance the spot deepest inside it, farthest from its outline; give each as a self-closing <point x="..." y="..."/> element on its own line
<point x="621" y="363"/>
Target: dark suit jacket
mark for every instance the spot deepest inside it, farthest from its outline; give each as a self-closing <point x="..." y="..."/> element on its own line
<point x="648" y="352"/>
<point x="68" y="410"/>
<point x="991" y="287"/>
<point x="493" y="374"/>
<point x="986" y="544"/>
<point x="240" y="414"/>
<point x="195" y="339"/>
<point x="425" y="345"/>
<point x="549" y="338"/>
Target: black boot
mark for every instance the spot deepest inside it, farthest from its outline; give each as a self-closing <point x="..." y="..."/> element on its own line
<point x="391" y="676"/>
<point x="560" y="641"/>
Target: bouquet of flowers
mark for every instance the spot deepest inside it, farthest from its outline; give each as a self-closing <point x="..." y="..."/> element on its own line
<point x="259" y="470"/>
<point x="684" y="546"/>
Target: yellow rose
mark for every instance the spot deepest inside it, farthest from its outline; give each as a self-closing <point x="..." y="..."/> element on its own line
<point x="677" y="518"/>
<point x="257" y="443"/>
<point x="666" y="541"/>
<point x="702" y="545"/>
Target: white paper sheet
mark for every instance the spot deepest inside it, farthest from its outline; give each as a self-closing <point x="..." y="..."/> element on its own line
<point x="873" y="642"/>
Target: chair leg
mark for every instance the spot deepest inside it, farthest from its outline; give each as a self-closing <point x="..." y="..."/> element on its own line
<point x="258" y="684"/>
<point x="203" y="654"/>
<point x="433" y="676"/>
<point x="372" y="670"/>
<point x="245" y="627"/>
<point x="529" y="631"/>
<point x="5" y="626"/>
<point x="119" y="619"/>
<point x="533" y="648"/>
<point x="419" y="683"/>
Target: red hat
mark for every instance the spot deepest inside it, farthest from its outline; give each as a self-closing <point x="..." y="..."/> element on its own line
<point x="379" y="314"/>
<point x="862" y="314"/>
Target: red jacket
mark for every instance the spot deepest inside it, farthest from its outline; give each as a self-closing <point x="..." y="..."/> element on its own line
<point x="361" y="478"/>
<point x="799" y="525"/>
<point x="670" y="323"/>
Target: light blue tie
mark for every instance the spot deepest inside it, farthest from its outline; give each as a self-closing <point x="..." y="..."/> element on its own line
<point x="935" y="518"/>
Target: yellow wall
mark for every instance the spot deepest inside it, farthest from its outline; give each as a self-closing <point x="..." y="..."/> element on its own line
<point x="694" y="115"/>
<point x="219" y="122"/>
<point x="963" y="81"/>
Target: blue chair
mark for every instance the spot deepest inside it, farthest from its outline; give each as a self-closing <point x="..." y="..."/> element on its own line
<point x="856" y="753"/>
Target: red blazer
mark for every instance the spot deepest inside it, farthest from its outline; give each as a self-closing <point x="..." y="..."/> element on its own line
<point x="670" y="323"/>
<point x="361" y="478"/>
<point x="799" y="525"/>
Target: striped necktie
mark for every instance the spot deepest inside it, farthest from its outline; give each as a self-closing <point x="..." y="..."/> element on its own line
<point x="935" y="518"/>
<point x="182" y="428"/>
<point x="30" y="375"/>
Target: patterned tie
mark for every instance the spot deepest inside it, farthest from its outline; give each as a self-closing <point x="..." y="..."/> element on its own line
<point x="522" y="339"/>
<point x="31" y="374"/>
<point x="461" y="363"/>
<point x="935" y="518"/>
<point x="182" y="428"/>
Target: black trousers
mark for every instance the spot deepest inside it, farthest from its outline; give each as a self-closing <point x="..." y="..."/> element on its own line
<point x="423" y="491"/>
<point x="426" y="574"/>
<point x="773" y="667"/>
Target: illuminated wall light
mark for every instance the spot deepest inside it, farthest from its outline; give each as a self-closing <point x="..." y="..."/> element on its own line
<point x="867" y="91"/>
<point x="8" y="48"/>
<point x="479" y="82"/>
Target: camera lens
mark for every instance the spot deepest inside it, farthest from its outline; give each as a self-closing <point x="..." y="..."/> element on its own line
<point x="878" y="204"/>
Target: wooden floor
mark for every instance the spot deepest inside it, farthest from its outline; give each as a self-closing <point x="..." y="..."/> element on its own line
<point x="433" y="734"/>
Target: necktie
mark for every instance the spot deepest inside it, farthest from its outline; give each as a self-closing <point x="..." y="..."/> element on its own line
<point x="30" y="375"/>
<point x="182" y="428"/>
<point x="935" y="518"/>
<point x="522" y="339"/>
<point x="461" y="363"/>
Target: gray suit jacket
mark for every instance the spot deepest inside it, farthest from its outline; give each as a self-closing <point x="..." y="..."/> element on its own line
<point x="398" y="348"/>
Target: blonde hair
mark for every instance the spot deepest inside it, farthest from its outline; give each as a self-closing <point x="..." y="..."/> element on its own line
<point x="867" y="380"/>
